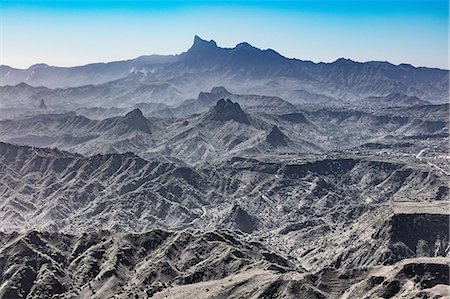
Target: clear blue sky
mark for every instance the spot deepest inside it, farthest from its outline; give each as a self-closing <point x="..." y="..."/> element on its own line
<point x="68" y="33"/>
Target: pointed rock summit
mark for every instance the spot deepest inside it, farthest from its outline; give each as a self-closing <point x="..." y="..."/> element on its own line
<point x="276" y="137"/>
<point x="226" y="110"/>
<point x="42" y="105"/>
<point x="136" y="119"/>
<point x="135" y="113"/>
<point x="215" y="94"/>
<point x="201" y="44"/>
<point x="201" y="53"/>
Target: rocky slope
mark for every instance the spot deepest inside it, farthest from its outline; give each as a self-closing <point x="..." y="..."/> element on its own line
<point x="306" y="208"/>
<point x="188" y="264"/>
<point x="102" y="265"/>
<point x="417" y="278"/>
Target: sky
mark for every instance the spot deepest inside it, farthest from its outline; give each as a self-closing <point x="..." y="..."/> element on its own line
<point x="69" y="33"/>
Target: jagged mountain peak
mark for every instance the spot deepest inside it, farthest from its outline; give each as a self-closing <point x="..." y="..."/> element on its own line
<point x="226" y="110"/>
<point x="202" y="43"/>
<point x="202" y="52"/>
<point x="227" y="102"/>
<point x="137" y="119"/>
<point x="276" y="137"/>
<point x="42" y="104"/>
<point x="214" y="94"/>
<point x="344" y="60"/>
<point x="135" y="113"/>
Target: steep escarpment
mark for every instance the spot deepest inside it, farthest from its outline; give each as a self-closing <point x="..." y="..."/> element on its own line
<point x="401" y="236"/>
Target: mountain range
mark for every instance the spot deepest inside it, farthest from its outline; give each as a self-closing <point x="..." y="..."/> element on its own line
<point x="224" y="173"/>
<point x="243" y="69"/>
<point x="221" y="131"/>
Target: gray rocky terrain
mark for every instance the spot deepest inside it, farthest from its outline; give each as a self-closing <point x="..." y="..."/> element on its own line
<point x="224" y="173"/>
<point x="215" y="264"/>
<point x="316" y="213"/>
<point x="224" y="130"/>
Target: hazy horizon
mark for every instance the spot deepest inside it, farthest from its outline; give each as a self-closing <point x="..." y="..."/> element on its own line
<point x="218" y="45"/>
<point x="73" y="33"/>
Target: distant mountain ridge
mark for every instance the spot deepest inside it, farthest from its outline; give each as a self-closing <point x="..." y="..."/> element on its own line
<point x="62" y="77"/>
<point x="244" y="69"/>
